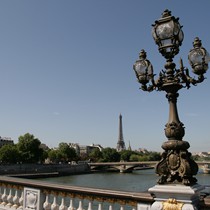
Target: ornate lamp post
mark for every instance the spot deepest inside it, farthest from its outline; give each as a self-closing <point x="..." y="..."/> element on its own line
<point x="176" y="165"/>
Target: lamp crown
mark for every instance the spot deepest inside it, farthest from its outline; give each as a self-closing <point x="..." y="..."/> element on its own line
<point x="197" y="42"/>
<point x="166" y="13"/>
<point x="142" y="54"/>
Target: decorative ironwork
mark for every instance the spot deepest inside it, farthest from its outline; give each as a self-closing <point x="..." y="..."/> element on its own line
<point x="172" y="204"/>
<point x="176" y="164"/>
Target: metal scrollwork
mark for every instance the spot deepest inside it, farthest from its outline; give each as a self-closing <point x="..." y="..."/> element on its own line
<point x="172" y="204"/>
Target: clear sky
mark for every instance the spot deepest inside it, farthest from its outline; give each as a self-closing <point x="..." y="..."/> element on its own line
<point x="66" y="72"/>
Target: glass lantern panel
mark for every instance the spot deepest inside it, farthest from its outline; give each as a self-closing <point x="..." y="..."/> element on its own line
<point x="165" y="30"/>
<point x="166" y="42"/>
<point x="154" y="34"/>
<point x="150" y="69"/>
<point x="176" y="28"/>
<point x="207" y="57"/>
<point x="196" y="56"/>
<point x="140" y="68"/>
<point x="181" y="35"/>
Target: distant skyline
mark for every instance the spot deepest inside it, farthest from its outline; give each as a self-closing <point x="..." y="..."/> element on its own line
<point x="66" y="70"/>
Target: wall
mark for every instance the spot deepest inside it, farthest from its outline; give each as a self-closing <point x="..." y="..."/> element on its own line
<point x="43" y="169"/>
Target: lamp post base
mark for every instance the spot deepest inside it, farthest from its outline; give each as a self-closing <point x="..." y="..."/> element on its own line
<point x="176" y="165"/>
<point x="176" y="196"/>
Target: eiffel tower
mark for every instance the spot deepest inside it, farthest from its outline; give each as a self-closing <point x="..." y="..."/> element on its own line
<point x="120" y="143"/>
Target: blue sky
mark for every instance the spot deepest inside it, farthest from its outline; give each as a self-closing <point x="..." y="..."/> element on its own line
<point x="66" y="72"/>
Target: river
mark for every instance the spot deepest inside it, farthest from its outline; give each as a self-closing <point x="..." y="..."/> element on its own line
<point x="137" y="181"/>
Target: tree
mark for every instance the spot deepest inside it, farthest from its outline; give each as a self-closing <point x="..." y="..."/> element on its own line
<point x="149" y="156"/>
<point x="9" y="154"/>
<point x="29" y="149"/>
<point x="66" y="152"/>
<point x="134" y="158"/>
<point x="125" y="155"/>
<point x="110" y="155"/>
<point x="95" y="155"/>
<point x="53" y="155"/>
<point x="154" y="156"/>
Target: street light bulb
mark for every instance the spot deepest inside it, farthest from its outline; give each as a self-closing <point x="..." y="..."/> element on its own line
<point x="198" y="58"/>
<point x="168" y="34"/>
<point x="143" y="68"/>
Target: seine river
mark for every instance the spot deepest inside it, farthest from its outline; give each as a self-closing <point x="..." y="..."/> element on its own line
<point x="137" y="181"/>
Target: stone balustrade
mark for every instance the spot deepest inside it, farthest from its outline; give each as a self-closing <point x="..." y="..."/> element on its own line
<point x="18" y="193"/>
<point x="26" y="194"/>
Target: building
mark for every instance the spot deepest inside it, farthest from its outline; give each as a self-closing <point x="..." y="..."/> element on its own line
<point x="76" y="147"/>
<point x="120" y="143"/>
<point x="5" y="140"/>
<point x="85" y="149"/>
<point x="129" y="147"/>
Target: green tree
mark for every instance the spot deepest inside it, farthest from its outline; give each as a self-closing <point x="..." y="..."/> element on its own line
<point x="143" y="158"/>
<point x="95" y="155"/>
<point x="53" y="155"/>
<point x="125" y="155"/>
<point x="154" y="156"/>
<point x="149" y="156"/>
<point x="66" y="152"/>
<point x="84" y="157"/>
<point x="110" y="155"/>
<point x="134" y="157"/>
<point x="29" y="149"/>
<point x="9" y="154"/>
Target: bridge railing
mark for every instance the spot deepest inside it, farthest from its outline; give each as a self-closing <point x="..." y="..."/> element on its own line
<point x="18" y="193"/>
<point x="26" y="194"/>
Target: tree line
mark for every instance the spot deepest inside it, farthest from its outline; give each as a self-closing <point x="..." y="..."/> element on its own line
<point x="29" y="149"/>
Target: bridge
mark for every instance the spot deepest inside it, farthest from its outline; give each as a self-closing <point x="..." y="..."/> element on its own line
<point x="23" y="194"/>
<point x="125" y="167"/>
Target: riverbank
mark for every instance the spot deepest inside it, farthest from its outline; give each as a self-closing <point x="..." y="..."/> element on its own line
<point x="43" y="170"/>
<point x="35" y="171"/>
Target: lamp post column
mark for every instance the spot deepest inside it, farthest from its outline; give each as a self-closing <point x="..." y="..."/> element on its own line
<point x="174" y="128"/>
<point x="176" y="165"/>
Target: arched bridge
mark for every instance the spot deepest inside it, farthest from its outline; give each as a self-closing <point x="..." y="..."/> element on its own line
<point x="124" y="167"/>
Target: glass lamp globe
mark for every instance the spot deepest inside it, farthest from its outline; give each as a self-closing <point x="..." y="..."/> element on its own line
<point x="168" y="34"/>
<point x="143" y="68"/>
<point x="198" y="58"/>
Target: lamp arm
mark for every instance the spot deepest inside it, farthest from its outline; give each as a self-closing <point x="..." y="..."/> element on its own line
<point x="187" y="79"/>
<point x="149" y="87"/>
<point x="183" y="73"/>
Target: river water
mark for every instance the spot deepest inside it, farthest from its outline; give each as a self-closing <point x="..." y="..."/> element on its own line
<point x="137" y="181"/>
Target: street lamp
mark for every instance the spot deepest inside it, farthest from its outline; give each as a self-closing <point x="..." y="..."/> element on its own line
<point x="176" y="165"/>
